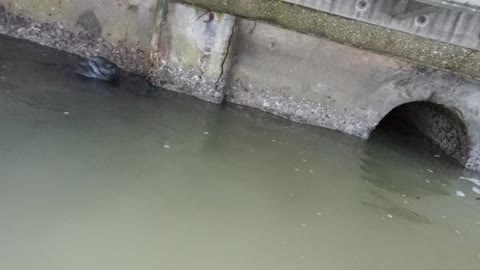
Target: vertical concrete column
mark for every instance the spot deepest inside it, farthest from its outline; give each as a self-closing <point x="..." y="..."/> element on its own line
<point x="191" y="52"/>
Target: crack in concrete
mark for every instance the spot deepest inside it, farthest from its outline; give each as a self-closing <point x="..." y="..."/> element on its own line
<point x="227" y="53"/>
<point x="253" y="28"/>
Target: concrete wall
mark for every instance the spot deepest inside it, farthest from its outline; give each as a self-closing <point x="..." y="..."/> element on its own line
<point x="191" y="53"/>
<point x="118" y="29"/>
<point x="398" y="44"/>
<point x="217" y="56"/>
<point x="307" y="79"/>
<point x="130" y="21"/>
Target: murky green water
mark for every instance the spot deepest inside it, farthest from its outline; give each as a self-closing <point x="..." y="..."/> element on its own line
<point x="92" y="177"/>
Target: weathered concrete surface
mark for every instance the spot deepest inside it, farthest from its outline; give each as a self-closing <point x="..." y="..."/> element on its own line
<point x="322" y="83"/>
<point x="445" y="23"/>
<point x="192" y="52"/>
<point x="307" y="79"/>
<point x="120" y="30"/>
<point x="353" y="33"/>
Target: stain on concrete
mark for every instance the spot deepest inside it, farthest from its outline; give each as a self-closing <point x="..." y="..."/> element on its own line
<point x="90" y="23"/>
<point x="133" y="8"/>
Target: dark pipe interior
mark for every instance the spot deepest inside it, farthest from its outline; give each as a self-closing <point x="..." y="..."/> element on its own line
<point x="427" y="127"/>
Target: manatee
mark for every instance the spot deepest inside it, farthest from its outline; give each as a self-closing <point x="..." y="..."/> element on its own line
<point x="98" y="68"/>
<point x="102" y="69"/>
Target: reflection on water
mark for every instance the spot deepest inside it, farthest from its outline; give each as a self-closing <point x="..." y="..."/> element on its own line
<point x="95" y="177"/>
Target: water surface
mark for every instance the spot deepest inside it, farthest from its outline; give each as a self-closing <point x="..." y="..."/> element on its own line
<point x="93" y="177"/>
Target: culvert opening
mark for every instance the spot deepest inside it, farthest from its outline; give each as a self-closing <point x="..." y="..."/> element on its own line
<point x="427" y="126"/>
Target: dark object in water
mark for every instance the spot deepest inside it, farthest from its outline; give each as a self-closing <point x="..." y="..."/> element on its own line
<point x="137" y="85"/>
<point x="98" y="68"/>
<point x="102" y="69"/>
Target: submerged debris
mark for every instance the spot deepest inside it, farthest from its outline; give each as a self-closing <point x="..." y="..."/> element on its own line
<point x="460" y="194"/>
<point x="473" y="180"/>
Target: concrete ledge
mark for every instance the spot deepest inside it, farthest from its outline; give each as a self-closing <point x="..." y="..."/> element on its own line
<point x="357" y="34"/>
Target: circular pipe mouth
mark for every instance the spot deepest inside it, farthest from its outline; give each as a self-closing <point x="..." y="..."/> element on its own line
<point x="429" y="124"/>
<point x="421" y="20"/>
<point x="362" y="5"/>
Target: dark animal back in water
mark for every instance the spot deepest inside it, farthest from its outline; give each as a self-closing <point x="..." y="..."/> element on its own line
<point x="98" y="68"/>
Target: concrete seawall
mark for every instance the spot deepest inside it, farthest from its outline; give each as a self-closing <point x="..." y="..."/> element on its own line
<point x="263" y="54"/>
